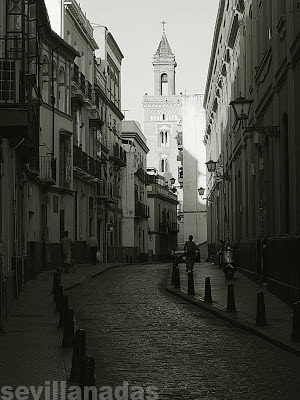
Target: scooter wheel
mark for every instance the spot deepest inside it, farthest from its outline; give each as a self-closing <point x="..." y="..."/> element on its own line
<point x="229" y="273"/>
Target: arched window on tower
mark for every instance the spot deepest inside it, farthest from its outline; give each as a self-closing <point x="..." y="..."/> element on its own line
<point x="164" y="139"/>
<point x="164" y="167"/>
<point x="164" y="85"/>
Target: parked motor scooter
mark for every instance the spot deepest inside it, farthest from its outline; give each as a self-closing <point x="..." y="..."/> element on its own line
<point x="227" y="260"/>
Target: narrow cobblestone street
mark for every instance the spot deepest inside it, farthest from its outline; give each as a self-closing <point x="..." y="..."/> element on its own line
<point x="140" y="334"/>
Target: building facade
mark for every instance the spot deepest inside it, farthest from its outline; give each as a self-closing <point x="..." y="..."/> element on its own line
<point x="61" y="154"/>
<point x="194" y="170"/>
<point x="253" y="196"/>
<point x="134" y="194"/>
<point x="97" y="144"/>
<point x="163" y="225"/>
<point x="35" y="111"/>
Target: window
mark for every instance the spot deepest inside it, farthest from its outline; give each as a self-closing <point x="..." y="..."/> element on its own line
<point x="62" y="90"/>
<point x="164" y="84"/>
<point x="45" y="79"/>
<point x="65" y="167"/>
<point x="164" y="139"/>
<point x="164" y="165"/>
<point x="7" y="81"/>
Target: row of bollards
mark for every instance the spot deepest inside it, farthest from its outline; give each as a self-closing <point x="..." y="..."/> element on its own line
<point x="83" y="366"/>
<point x="261" y="319"/>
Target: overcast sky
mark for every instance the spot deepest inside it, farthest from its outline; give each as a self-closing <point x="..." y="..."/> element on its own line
<point x="136" y="27"/>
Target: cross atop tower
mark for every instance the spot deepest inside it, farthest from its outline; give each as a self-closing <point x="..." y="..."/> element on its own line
<point x="163" y="24"/>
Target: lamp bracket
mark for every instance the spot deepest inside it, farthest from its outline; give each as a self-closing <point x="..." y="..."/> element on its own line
<point x="265" y="130"/>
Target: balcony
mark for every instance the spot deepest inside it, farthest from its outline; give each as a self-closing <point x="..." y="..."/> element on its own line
<point x="14" y="117"/>
<point x="180" y="176"/>
<point x="164" y="227"/>
<point x="85" y="166"/>
<point x="82" y="82"/>
<point x="118" y="155"/>
<point x="102" y="189"/>
<point x="80" y="164"/>
<point x="83" y="89"/>
<point x="92" y="166"/>
<point x="173" y="227"/>
<point x="179" y="140"/>
<point x="142" y="175"/>
<point x="47" y="172"/>
<point x="141" y="210"/>
<point x="180" y="156"/>
<point x="89" y="91"/>
<point x="76" y="73"/>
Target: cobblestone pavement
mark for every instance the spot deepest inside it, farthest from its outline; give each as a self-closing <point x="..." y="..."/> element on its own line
<point x="138" y="333"/>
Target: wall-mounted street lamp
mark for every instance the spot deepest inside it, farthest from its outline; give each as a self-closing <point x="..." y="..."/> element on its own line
<point x="201" y="191"/>
<point x="212" y="167"/>
<point x="241" y="108"/>
<point x="173" y="188"/>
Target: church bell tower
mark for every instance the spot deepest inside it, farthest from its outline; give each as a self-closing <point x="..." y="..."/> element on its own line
<point x="164" y="68"/>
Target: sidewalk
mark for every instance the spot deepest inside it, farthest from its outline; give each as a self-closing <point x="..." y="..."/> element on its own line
<point x="30" y="348"/>
<point x="279" y="315"/>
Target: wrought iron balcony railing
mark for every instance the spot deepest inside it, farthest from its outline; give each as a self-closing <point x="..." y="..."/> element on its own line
<point x="141" y="210"/>
<point x="142" y="175"/>
<point x="47" y="169"/>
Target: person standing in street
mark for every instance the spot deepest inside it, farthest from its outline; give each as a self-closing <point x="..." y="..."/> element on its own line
<point x="190" y="248"/>
<point x="66" y="243"/>
<point x="93" y="245"/>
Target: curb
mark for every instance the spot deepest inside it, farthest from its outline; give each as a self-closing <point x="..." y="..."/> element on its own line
<point x="232" y="318"/>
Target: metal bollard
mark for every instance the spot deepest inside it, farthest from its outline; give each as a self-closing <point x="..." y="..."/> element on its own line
<point x="296" y="323"/>
<point x="88" y="376"/>
<point x="78" y="356"/>
<point x="207" y="293"/>
<point x="59" y="297"/>
<point x="191" y="289"/>
<point x="68" y="335"/>
<point x="230" y="298"/>
<point x="64" y="306"/>
<point x="260" y="310"/>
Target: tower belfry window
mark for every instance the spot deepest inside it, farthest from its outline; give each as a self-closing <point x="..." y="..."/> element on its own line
<point x="164" y="139"/>
<point x="164" y="84"/>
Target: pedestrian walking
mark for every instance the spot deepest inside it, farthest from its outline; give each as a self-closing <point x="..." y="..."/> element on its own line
<point x="66" y="243"/>
<point x="93" y="245"/>
<point x="190" y="248"/>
